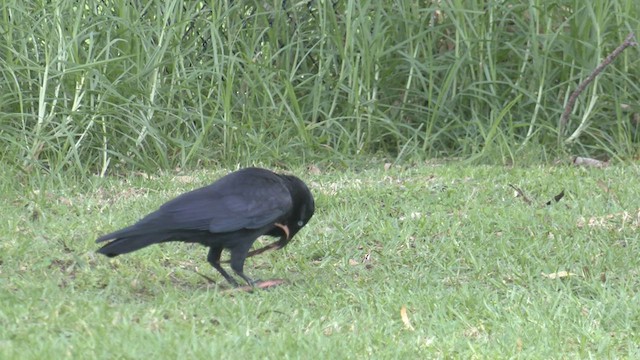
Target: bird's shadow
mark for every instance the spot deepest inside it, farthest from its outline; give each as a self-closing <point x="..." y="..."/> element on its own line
<point x="223" y="286"/>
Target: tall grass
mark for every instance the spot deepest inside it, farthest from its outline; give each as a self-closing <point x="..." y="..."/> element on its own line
<point x="98" y="86"/>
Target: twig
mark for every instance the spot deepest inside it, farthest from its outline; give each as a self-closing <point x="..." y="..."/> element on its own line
<point x="521" y="194"/>
<point x="628" y="41"/>
<point x="529" y="202"/>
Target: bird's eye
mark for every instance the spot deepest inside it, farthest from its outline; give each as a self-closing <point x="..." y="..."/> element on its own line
<point x="300" y="223"/>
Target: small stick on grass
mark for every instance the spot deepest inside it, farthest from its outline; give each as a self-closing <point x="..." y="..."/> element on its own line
<point x="521" y="194"/>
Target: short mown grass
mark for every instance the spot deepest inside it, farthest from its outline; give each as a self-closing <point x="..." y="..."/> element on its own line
<point x="471" y="264"/>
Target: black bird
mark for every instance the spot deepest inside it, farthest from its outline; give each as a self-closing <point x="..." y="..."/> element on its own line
<point x="229" y="214"/>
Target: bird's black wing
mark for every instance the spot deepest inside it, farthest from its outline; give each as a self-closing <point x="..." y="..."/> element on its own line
<point x="248" y="199"/>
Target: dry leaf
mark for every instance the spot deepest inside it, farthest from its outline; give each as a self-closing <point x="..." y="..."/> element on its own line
<point x="314" y="170"/>
<point x="559" y="275"/>
<point x="144" y="175"/>
<point x="353" y="262"/>
<point x="584" y="311"/>
<point x="405" y="318"/>
<point x="475" y="332"/>
<point x="612" y="221"/>
<point x="387" y="166"/>
<point x="185" y="179"/>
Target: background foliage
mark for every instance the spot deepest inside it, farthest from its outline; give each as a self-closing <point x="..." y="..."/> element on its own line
<point x="99" y="85"/>
<point x="136" y="87"/>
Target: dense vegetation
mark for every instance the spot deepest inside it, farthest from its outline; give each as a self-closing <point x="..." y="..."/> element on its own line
<point x="97" y="85"/>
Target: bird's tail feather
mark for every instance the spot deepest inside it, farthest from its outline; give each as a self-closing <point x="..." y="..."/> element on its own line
<point x="128" y="244"/>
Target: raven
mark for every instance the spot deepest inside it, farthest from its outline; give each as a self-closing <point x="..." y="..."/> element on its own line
<point x="229" y="214"/>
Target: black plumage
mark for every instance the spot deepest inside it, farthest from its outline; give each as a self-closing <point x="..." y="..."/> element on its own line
<point x="229" y="214"/>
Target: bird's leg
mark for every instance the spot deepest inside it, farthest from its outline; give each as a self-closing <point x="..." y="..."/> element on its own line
<point x="238" y="256"/>
<point x="214" y="259"/>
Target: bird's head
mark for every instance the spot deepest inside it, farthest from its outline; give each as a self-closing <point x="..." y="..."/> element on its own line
<point x="303" y="207"/>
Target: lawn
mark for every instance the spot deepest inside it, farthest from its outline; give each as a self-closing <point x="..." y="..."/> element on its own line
<point x="422" y="261"/>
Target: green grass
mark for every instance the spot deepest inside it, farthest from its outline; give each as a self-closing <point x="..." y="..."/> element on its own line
<point x="95" y="95"/>
<point x="451" y="243"/>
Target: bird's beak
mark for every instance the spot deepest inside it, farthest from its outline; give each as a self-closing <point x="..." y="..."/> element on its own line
<point x="284" y="228"/>
<point x="285" y="239"/>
